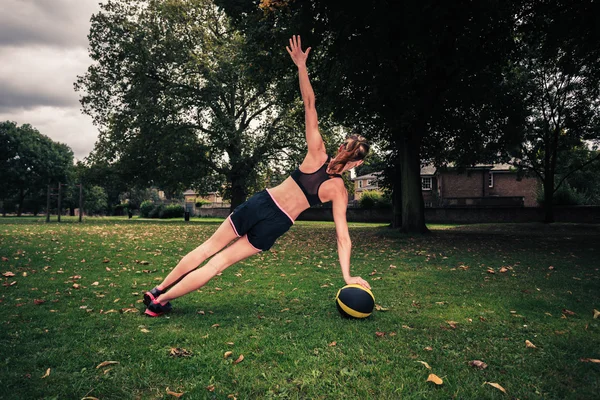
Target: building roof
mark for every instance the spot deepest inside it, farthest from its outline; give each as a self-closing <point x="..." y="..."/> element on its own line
<point x="373" y="175"/>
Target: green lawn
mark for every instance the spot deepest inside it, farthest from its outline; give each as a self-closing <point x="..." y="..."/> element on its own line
<point x="77" y="303"/>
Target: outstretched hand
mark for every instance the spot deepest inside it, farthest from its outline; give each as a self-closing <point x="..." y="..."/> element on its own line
<point x="358" y="280"/>
<point x="295" y="50"/>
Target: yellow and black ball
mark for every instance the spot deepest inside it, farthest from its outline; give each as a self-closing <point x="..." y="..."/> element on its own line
<point x="355" y="301"/>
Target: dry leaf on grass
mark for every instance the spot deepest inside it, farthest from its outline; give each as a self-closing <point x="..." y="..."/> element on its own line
<point x="496" y="386"/>
<point x="428" y="348"/>
<point x="215" y="326"/>
<point x="332" y="344"/>
<point x="380" y="334"/>
<point x="452" y="324"/>
<point x="227" y="354"/>
<point x="47" y="374"/>
<point x="38" y="301"/>
<point x="491" y="271"/>
<point x="478" y="364"/>
<point x="568" y="312"/>
<point x="179" y="352"/>
<point x="530" y="345"/>
<point x="425" y="364"/>
<point x="435" y="379"/>
<point x="239" y="359"/>
<point x="106" y="363"/>
<point x="178" y="395"/>
<point x="8" y="273"/>
<point x="592" y="360"/>
<point x="144" y="330"/>
<point x="210" y="388"/>
<point x="89" y="398"/>
<point x="596" y="314"/>
<point x="503" y="270"/>
<point x="379" y="308"/>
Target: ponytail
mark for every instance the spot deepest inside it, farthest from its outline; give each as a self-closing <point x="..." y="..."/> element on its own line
<point x="355" y="148"/>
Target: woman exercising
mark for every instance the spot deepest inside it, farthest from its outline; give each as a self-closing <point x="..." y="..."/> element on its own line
<point x="269" y="214"/>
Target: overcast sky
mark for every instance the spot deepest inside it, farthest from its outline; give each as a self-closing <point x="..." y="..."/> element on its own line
<point x="43" y="47"/>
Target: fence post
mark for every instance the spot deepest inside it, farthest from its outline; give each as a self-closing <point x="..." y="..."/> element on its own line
<point x="80" y="201"/>
<point x="48" y="205"/>
<point x="59" y="193"/>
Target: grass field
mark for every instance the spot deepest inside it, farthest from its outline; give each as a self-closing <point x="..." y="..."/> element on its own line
<point x="74" y="302"/>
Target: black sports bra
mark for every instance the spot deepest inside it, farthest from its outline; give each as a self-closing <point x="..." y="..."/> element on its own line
<point x="310" y="183"/>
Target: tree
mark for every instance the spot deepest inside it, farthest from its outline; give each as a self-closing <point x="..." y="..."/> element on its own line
<point x="29" y="161"/>
<point x="177" y="99"/>
<point x="398" y="72"/>
<point x="559" y="75"/>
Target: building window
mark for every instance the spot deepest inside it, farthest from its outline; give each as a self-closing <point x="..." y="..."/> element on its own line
<point x="426" y="183"/>
<point x="360" y="183"/>
<point x="491" y="180"/>
<point x="368" y="182"/>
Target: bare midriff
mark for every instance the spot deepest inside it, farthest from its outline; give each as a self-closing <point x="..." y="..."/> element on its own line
<point x="290" y="198"/>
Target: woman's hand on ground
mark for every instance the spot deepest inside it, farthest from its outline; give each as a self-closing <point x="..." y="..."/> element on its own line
<point x="358" y="280"/>
<point x="295" y="50"/>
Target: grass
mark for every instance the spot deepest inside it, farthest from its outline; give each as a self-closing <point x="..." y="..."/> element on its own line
<point x="277" y="310"/>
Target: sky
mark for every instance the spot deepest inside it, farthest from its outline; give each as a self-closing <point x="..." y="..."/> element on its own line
<point x="43" y="47"/>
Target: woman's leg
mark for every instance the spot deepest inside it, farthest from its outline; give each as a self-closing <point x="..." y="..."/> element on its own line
<point x="223" y="235"/>
<point x="194" y="280"/>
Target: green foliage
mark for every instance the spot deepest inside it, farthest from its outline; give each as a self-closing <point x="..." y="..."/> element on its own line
<point x="182" y="104"/>
<point x="29" y="161"/>
<point x="371" y="199"/>
<point x="156" y="211"/>
<point x="95" y="200"/>
<point x="201" y="202"/>
<point x="145" y="208"/>
<point x="172" y="211"/>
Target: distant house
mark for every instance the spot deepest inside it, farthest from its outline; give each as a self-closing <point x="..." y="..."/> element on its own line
<point x="365" y="182"/>
<point x="191" y="198"/>
<point x="482" y="185"/>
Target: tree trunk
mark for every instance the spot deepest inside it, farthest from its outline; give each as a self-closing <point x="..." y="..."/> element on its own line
<point x="21" y="200"/>
<point x="397" y="203"/>
<point x="548" y="198"/>
<point x="238" y="190"/>
<point x="413" y="209"/>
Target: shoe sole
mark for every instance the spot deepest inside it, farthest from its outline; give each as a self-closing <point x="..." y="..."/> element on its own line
<point x="152" y="313"/>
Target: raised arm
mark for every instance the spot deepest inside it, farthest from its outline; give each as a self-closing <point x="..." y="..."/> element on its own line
<point x="314" y="140"/>
<point x="344" y="244"/>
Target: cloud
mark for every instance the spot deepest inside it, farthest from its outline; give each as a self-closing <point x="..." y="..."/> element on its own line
<point x="40" y="76"/>
<point x="46" y="22"/>
<point x="43" y="48"/>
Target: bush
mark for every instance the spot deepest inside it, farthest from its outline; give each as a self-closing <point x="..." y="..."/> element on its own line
<point x="202" y="202"/>
<point x="156" y="211"/>
<point x="121" y="209"/>
<point x="146" y="208"/>
<point x="371" y="199"/>
<point x="171" y="211"/>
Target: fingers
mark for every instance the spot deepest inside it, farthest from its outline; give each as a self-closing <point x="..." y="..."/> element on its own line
<point x="307" y="51"/>
<point x="288" y="50"/>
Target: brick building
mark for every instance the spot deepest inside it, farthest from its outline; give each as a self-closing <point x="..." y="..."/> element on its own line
<point x="481" y="185"/>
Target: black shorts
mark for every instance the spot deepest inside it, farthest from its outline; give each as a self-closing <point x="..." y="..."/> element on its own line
<point x="261" y="218"/>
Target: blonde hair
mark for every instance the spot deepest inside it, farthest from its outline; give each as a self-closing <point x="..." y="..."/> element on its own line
<point x="355" y="148"/>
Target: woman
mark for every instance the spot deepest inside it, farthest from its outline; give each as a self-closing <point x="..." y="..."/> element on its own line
<point x="269" y="214"/>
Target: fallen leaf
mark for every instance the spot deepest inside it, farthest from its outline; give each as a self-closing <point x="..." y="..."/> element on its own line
<point x="380" y="334"/>
<point x="596" y="314"/>
<point x="4" y="259"/>
<point x="496" y="386"/>
<point x="178" y="395"/>
<point x="478" y="364"/>
<point x="230" y="343"/>
<point x="491" y="271"/>
<point x="239" y="359"/>
<point x="129" y="310"/>
<point x="38" y="301"/>
<point x="428" y="348"/>
<point x="105" y="260"/>
<point x="463" y="267"/>
<point x="568" y="312"/>
<point x="392" y="266"/>
<point x="201" y="312"/>
<point x="95" y="283"/>
<point x="435" y="379"/>
<point x="452" y="324"/>
<point x="89" y="398"/>
<point x="105" y="363"/>
<point x="47" y="374"/>
<point x="592" y="360"/>
<point x="332" y="344"/>
<point x="530" y="345"/>
<point x="503" y="270"/>
<point x="144" y="330"/>
<point x="76" y="286"/>
<point x="227" y="354"/>
<point x="8" y="273"/>
<point x="210" y="388"/>
<point x="406" y="327"/>
<point x="425" y="364"/>
<point x="144" y="262"/>
<point x="179" y="352"/>
<point x="215" y="326"/>
<point x="379" y="308"/>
